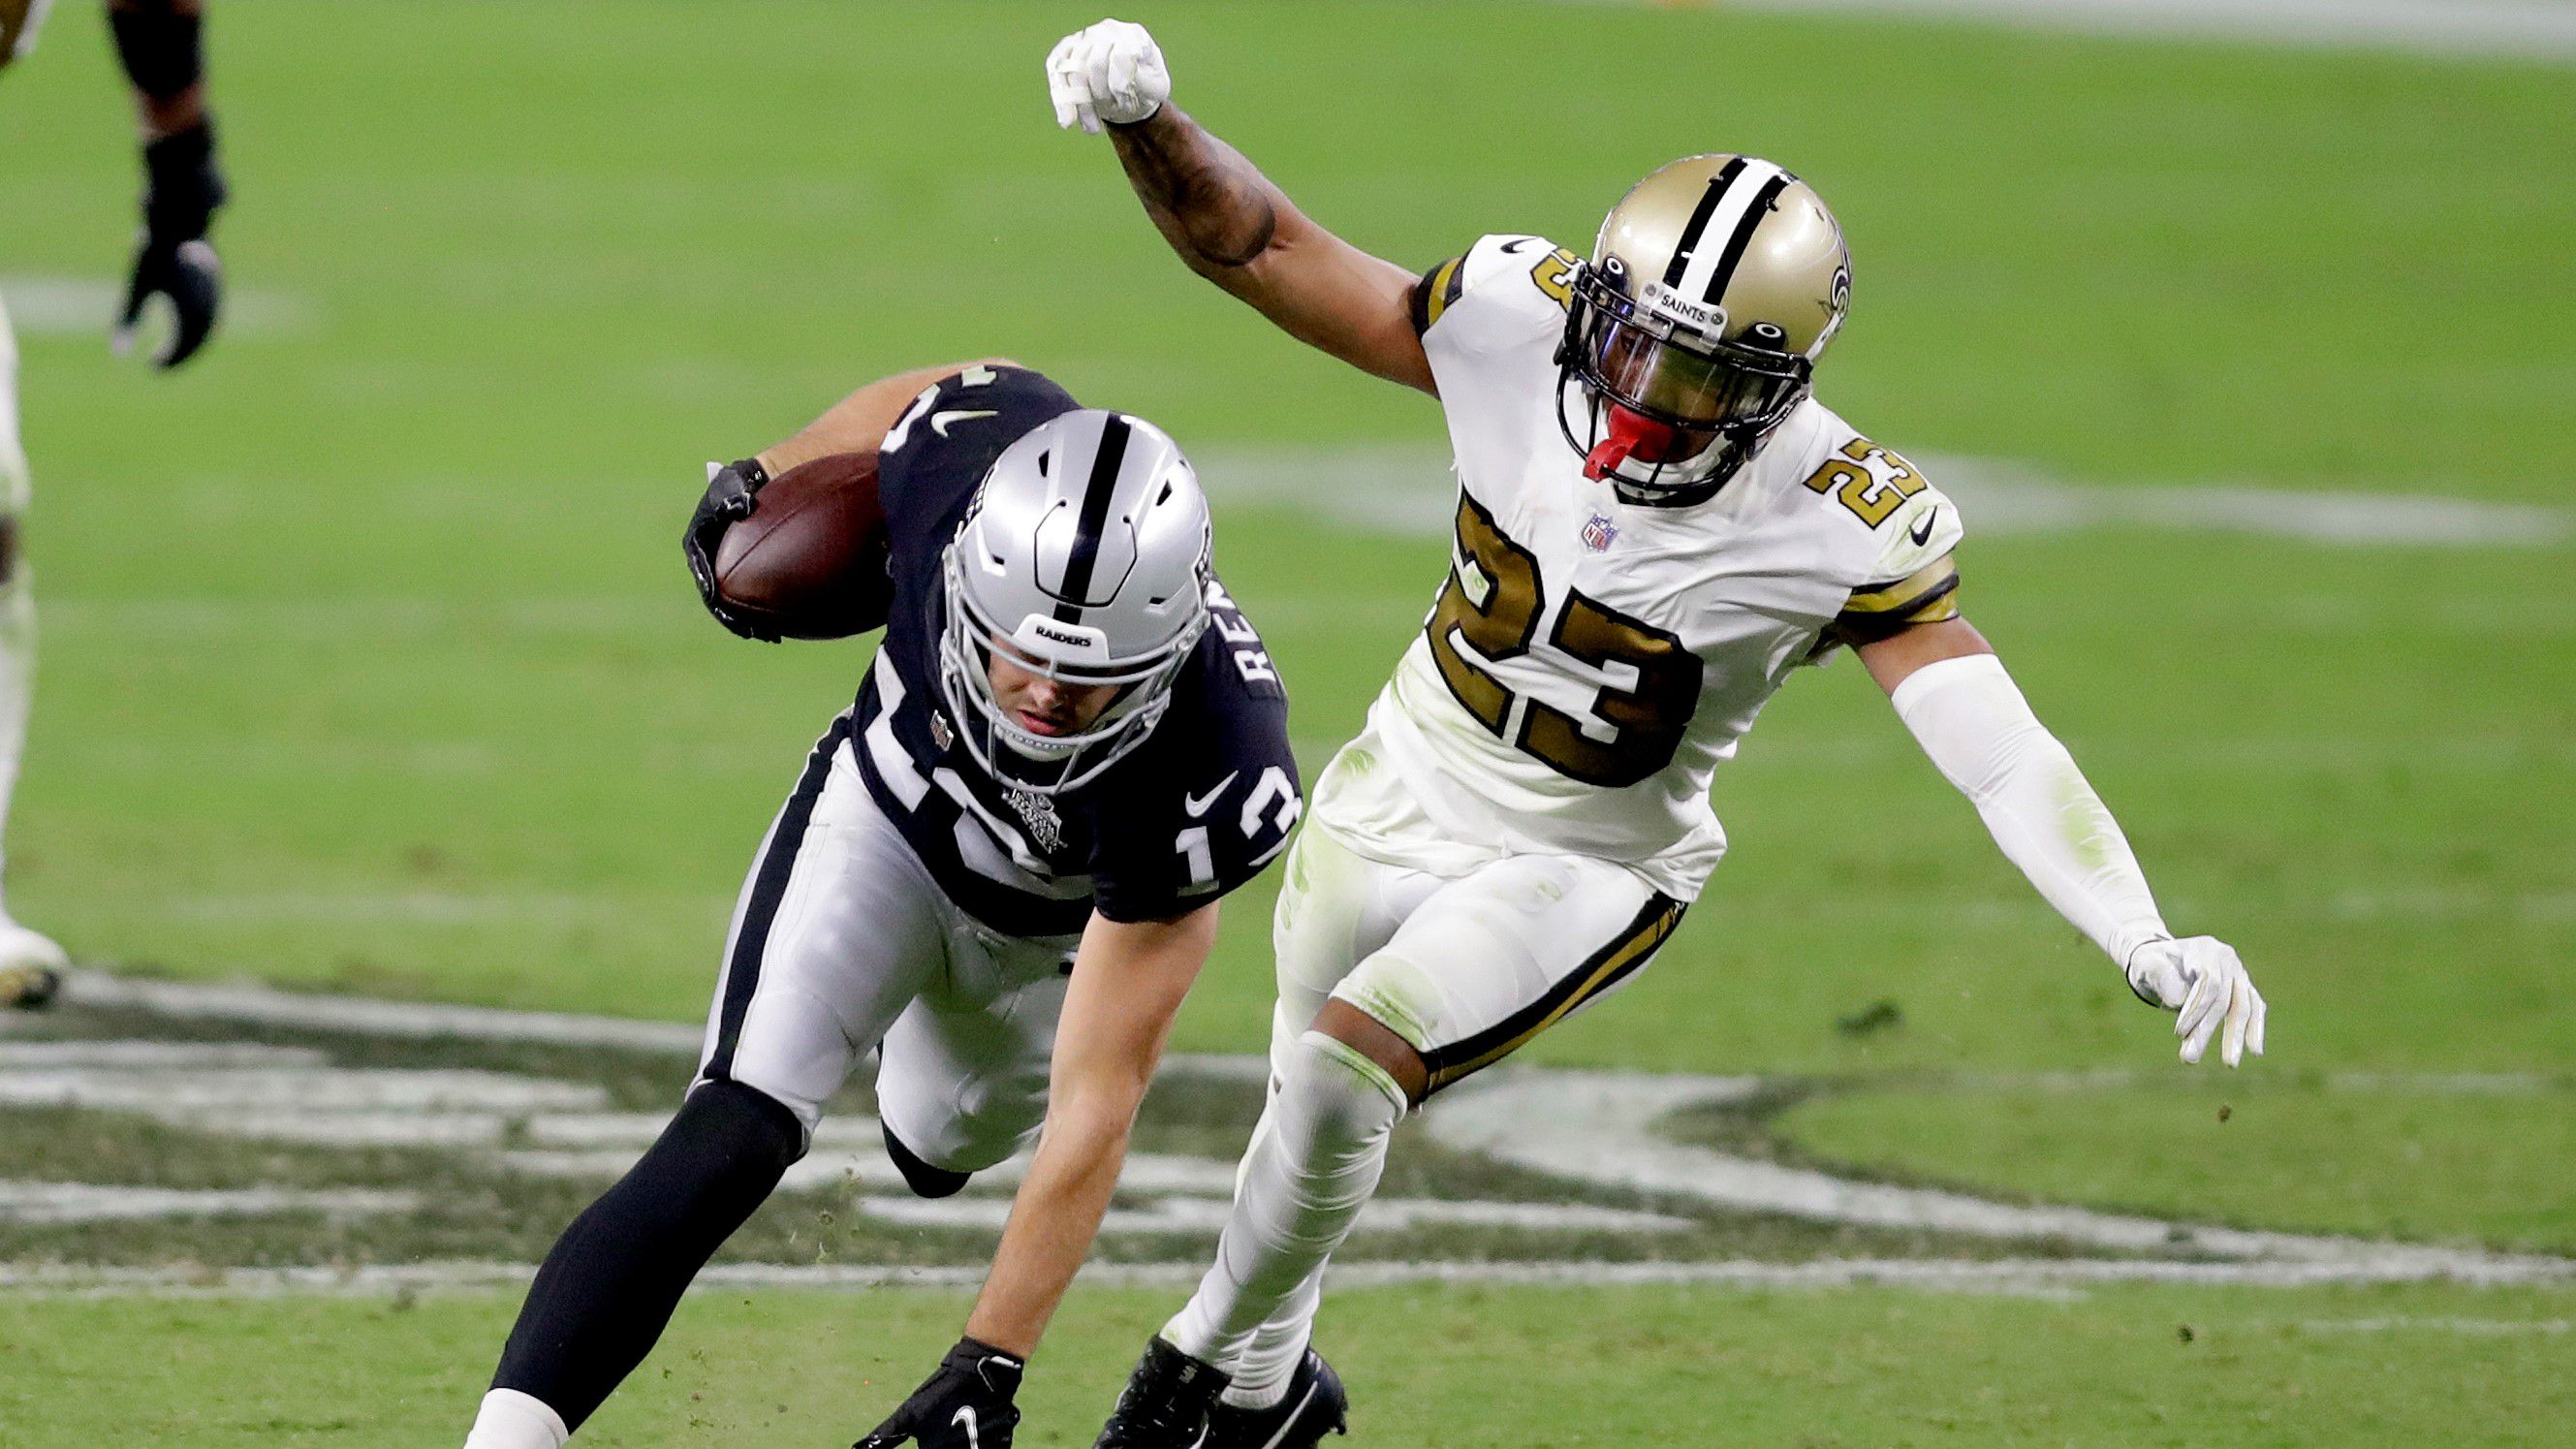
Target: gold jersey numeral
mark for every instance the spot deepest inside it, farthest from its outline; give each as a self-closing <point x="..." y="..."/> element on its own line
<point x="1554" y="275"/>
<point x="1870" y="497"/>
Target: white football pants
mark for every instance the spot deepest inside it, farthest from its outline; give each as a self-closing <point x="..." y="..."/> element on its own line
<point x="1466" y="968"/>
<point x="842" y="941"/>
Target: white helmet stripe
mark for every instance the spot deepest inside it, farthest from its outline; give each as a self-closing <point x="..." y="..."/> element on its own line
<point x="1697" y="227"/>
<point x="1729" y="229"/>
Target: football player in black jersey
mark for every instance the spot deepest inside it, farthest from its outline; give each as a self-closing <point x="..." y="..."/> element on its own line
<point x="1000" y="867"/>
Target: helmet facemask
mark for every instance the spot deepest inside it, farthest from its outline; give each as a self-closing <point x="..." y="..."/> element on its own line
<point x="1666" y="410"/>
<point x="1073" y="655"/>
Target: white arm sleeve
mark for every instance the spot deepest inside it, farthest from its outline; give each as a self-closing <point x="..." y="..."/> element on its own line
<point x="1974" y="723"/>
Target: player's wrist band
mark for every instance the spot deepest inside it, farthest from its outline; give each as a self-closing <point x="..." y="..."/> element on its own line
<point x="182" y="188"/>
<point x="754" y="477"/>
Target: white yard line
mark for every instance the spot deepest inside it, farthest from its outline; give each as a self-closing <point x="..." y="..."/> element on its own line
<point x="2532" y="30"/>
<point x="82" y="1202"/>
<point x="2049" y="1277"/>
<point x="1406" y="490"/>
<point x="268" y="1006"/>
<point x="1205" y="1216"/>
<point x="193" y="1096"/>
<point x="58" y="306"/>
<point x="2467" y="1327"/>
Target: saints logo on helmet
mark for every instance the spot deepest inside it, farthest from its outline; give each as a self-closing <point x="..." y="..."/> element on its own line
<point x="1694" y="330"/>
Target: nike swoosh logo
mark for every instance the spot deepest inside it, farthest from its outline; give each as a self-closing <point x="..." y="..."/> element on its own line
<point x="1922" y="533"/>
<point x="974" y="1440"/>
<point x="1198" y="805"/>
<point x="939" y="421"/>
<point x="1518" y="242"/>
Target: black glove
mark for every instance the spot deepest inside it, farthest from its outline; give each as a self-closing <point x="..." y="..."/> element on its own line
<point x="182" y="187"/>
<point x="731" y="490"/>
<point x="966" y="1405"/>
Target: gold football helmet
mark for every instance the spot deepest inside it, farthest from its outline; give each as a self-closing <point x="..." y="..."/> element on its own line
<point x="1714" y="286"/>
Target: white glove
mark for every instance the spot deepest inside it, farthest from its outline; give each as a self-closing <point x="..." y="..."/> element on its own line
<point x="1111" y="72"/>
<point x="2202" y="979"/>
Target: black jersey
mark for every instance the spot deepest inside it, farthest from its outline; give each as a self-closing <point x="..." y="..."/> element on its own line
<point x="1197" y="809"/>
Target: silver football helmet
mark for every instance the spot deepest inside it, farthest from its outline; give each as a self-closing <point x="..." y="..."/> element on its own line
<point x="1084" y="558"/>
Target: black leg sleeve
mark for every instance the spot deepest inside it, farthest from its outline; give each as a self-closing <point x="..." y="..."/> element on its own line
<point x="605" y="1292"/>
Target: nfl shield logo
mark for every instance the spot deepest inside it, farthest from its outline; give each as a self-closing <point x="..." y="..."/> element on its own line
<point x="1598" y="533"/>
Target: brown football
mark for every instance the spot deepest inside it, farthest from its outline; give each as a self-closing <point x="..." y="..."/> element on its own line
<point x="810" y="561"/>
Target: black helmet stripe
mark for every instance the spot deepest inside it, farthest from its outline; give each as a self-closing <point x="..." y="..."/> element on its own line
<point x="1699" y="220"/>
<point x="1096" y="496"/>
<point x="1763" y="201"/>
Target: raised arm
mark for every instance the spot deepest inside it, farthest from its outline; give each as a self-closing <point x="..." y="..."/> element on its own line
<point x="1954" y="694"/>
<point x="1226" y="219"/>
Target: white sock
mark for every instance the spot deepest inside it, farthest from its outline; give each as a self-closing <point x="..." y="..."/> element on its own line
<point x="1267" y="1363"/>
<point x="513" y="1420"/>
<point x="1313" y="1164"/>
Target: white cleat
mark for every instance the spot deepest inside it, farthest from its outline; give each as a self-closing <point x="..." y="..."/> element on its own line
<point x="31" y="966"/>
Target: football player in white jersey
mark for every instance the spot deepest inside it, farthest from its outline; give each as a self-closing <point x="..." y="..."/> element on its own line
<point x="160" y="43"/>
<point x="1657" y="525"/>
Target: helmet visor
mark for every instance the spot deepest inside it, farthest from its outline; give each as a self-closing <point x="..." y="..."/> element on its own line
<point x="1641" y="361"/>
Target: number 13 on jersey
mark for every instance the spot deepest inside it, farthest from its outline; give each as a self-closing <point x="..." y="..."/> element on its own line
<point x="1495" y="602"/>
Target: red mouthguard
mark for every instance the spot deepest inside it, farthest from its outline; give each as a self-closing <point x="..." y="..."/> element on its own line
<point x="1628" y="435"/>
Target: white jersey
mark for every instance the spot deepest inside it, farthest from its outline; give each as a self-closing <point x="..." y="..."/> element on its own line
<point x="1590" y="660"/>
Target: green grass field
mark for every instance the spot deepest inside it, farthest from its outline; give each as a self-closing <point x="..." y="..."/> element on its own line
<point x="370" y="663"/>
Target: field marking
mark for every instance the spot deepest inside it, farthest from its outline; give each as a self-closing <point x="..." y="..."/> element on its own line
<point x="260" y="1005"/>
<point x="1204" y="1216"/>
<point x="42" y="305"/>
<point x="2533" y="30"/>
<point x="1597" y="1127"/>
<point x="298" y="1095"/>
<point x="1407" y="490"/>
<point x="84" y="1202"/>
<point x="1592" y="1127"/>
<point x="2036" y="1277"/>
<point x="2471" y="1327"/>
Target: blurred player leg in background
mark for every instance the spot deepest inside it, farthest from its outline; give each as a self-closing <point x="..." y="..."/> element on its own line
<point x="161" y="45"/>
<point x="29" y="962"/>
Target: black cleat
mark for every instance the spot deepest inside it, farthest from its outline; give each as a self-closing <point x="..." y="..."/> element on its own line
<point x="1315" y="1406"/>
<point x="1165" y="1404"/>
<point x="924" y="1179"/>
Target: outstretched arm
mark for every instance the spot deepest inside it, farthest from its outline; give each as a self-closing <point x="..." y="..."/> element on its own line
<point x="1226" y="219"/>
<point x="1953" y="693"/>
<point x="1128" y="981"/>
